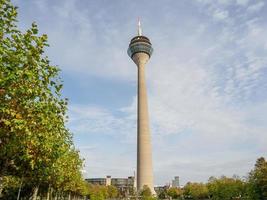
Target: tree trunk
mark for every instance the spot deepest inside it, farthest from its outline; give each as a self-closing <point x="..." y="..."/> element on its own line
<point x="35" y="193"/>
<point x="48" y="192"/>
<point x="1" y="185"/>
<point x="20" y="189"/>
<point x="51" y="193"/>
<point x="59" y="195"/>
<point x="69" y="196"/>
<point x="56" y="196"/>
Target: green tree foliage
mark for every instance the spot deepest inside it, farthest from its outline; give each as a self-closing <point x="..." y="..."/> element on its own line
<point x="196" y="190"/>
<point x="257" y="186"/>
<point x="226" y="188"/>
<point x="162" y="194"/>
<point x="35" y="145"/>
<point x="146" y="193"/>
<point x="101" y="192"/>
<point x="174" y="193"/>
<point x="97" y="192"/>
<point x="112" y="191"/>
<point x="12" y="184"/>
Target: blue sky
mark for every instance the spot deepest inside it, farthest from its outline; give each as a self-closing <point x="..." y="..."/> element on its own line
<point x="206" y="80"/>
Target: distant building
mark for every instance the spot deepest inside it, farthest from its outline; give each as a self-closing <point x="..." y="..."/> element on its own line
<point x="124" y="185"/>
<point x="123" y="182"/>
<point x="100" y="181"/>
<point x="159" y="189"/>
<point x="176" y="182"/>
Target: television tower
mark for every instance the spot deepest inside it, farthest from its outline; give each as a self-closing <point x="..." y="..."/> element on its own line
<point x="140" y="50"/>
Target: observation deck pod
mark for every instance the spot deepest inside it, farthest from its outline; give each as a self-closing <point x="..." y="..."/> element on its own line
<point x="140" y="44"/>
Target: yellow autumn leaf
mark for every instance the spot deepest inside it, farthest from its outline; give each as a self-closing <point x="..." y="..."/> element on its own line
<point x="18" y="116"/>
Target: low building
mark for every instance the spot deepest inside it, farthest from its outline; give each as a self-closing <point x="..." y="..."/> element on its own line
<point x="126" y="186"/>
<point x="100" y="181"/>
<point x="123" y="182"/>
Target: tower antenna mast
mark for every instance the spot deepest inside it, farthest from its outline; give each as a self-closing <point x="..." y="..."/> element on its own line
<point x="139" y="27"/>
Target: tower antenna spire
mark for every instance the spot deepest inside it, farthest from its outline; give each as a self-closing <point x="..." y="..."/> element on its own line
<point x="139" y="27"/>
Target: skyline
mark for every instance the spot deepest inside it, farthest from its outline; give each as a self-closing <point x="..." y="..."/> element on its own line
<point x="206" y="82"/>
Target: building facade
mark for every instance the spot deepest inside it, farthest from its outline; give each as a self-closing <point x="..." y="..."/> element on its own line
<point x="125" y="186"/>
<point x="176" y="182"/>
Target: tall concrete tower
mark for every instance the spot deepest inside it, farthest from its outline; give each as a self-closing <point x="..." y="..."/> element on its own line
<point x="140" y="50"/>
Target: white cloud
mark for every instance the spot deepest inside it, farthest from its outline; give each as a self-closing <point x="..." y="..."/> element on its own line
<point x="220" y="14"/>
<point x="76" y="37"/>
<point x="226" y="2"/>
<point x="96" y="120"/>
<point x="256" y="7"/>
<point x="242" y="2"/>
<point x="220" y="2"/>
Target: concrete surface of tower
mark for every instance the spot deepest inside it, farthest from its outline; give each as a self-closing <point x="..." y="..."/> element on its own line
<point x="140" y="50"/>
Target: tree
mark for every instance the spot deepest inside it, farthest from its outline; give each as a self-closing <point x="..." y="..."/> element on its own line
<point x="35" y="144"/>
<point x="99" y="192"/>
<point x="112" y="191"/>
<point x="11" y="185"/>
<point x="146" y="193"/>
<point x="162" y="192"/>
<point x="196" y="190"/>
<point x="226" y="188"/>
<point x="174" y="193"/>
<point x="257" y="188"/>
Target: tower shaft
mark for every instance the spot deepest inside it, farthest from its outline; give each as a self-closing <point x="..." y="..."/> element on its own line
<point x="144" y="153"/>
<point x="140" y="50"/>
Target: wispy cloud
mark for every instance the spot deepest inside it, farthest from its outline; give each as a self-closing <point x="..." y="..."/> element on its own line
<point x="256" y="7"/>
<point x="96" y="120"/>
<point x="242" y="2"/>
